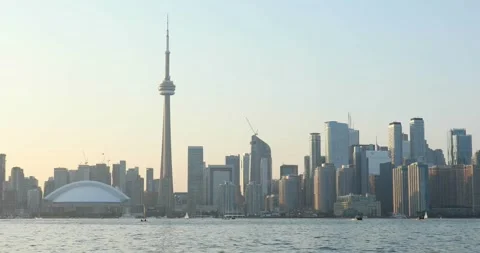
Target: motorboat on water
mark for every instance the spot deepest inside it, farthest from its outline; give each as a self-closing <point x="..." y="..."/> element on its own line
<point x="423" y="217"/>
<point x="358" y="217"/>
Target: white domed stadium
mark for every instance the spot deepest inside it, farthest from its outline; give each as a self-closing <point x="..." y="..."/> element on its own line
<point x="86" y="199"/>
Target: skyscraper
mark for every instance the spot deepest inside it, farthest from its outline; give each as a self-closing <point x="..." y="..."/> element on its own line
<point x="336" y="143"/>
<point x="167" y="89"/>
<point x="418" y="196"/>
<point x="345" y="181"/>
<point x="149" y="174"/>
<point x="325" y="188"/>
<point x="17" y="181"/>
<point x="119" y="172"/>
<point x="253" y="199"/>
<point x="395" y="143"/>
<point x="216" y="175"/>
<point x="476" y="159"/>
<point x="2" y="175"/>
<point x="307" y="192"/>
<point x="459" y="147"/>
<point x="288" y="169"/>
<point x="353" y="137"/>
<point x="400" y="190"/>
<point x="135" y="186"/>
<point x="101" y="173"/>
<point x="60" y="176"/>
<point x="289" y="192"/>
<point x="246" y="170"/>
<point x="226" y="203"/>
<point x="195" y="178"/>
<point x="315" y="154"/>
<point x="360" y="163"/>
<point x="406" y="147"/>
<point x="260" y="150"/>
<point x="234" y="160"/>
<point x="417" y="140"/>
<point x="384" y="188"/>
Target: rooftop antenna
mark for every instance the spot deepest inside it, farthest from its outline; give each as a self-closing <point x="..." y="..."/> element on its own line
<point x="349" y="121"/>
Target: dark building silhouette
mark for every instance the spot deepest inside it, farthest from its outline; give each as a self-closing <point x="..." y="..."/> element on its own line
<point x="384" y="188"/>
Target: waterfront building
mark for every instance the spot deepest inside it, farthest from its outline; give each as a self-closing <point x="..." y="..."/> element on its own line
<point x="214" y="176"/>
<point x="418" y="196"/>
<point x="86" y="199"/>
<point x="254" y="199"/>
<point x="384" y="188"/>
<point x="289" y="193"/>
<point x="351" y="205"/>
<point x="226" y="203"/>
<point x="325" y="188"/>
<point x="400" y="190"/>
<point x="195" y="178"/>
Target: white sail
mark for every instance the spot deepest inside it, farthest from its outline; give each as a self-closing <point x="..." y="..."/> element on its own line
<point x="425" y="216"/>
<point x="186" y="216"/>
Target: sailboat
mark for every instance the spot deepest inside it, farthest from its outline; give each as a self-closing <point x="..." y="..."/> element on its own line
<point x="425" y="216"/>
<point x="186" y="216"/>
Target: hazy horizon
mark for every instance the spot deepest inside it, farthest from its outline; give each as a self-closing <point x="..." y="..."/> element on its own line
<point x="83" y="76"/>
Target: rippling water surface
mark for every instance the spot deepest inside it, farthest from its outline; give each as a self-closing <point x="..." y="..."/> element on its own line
<point x="240" y="235"/>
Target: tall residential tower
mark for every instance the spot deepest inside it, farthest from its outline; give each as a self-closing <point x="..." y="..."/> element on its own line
<point x="417" y="140"/>
<point x="165" y="191"/>
<point x="395" y="143"/>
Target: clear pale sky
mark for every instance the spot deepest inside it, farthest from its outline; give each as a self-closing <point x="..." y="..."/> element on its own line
<point x="83" y="75"/>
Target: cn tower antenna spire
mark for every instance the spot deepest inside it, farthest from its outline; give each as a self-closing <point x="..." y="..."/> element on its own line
<point x="167" y="55"/>
<point x="168" y="37"/>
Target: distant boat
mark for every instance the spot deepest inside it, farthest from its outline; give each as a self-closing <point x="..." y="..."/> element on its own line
<point x="358" y="217"/>
<point x="186" y="216"/>
<point x="425" y="216"/>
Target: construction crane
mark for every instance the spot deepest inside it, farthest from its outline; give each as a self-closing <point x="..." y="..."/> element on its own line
<point x="85" y="158"/>
<point x="251" y="127"/>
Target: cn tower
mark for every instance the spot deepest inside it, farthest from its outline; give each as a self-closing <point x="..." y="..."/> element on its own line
<point x="166" y="89"/>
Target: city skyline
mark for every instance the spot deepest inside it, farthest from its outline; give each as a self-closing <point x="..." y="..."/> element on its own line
<point x="94" y="92"/>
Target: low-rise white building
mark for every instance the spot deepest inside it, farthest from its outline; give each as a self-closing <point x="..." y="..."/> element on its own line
<point x="351" y="205"/>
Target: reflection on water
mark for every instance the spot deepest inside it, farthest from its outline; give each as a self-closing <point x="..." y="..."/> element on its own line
<point x="240" y="235"/>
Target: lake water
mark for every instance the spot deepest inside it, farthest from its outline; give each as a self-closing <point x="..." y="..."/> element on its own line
<point x="240" y="235"/>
